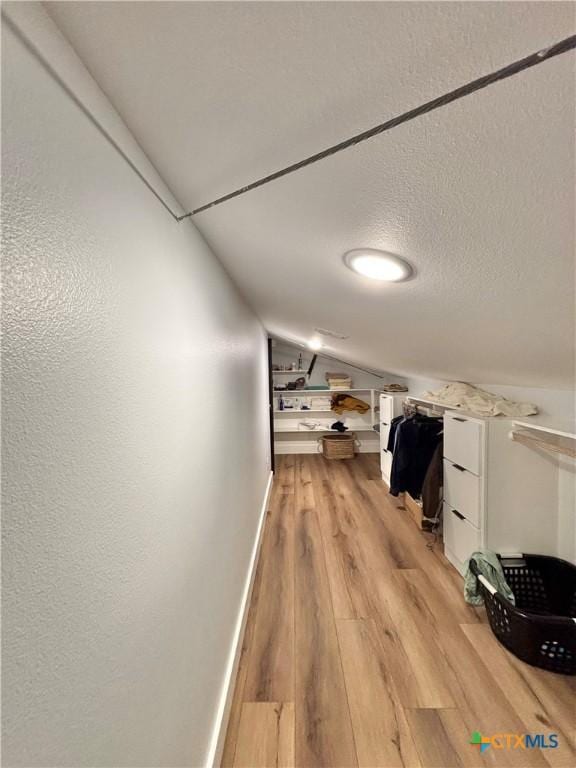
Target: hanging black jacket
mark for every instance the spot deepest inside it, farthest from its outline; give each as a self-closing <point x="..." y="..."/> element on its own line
<point x="415" y="441"/>
<point x="392" y="434"/>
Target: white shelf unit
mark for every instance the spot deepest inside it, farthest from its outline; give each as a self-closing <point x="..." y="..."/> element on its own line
<point x="557" y="439"/>
<point x="559" y="430"/>
<point x="292" y="436"/>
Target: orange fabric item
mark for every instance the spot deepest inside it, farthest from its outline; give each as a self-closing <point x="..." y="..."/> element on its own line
<point x="341" y="403"/>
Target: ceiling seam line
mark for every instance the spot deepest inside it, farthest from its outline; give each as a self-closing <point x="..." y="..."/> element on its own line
<point x="563" y="46"/>
<point x="35" y="51"/>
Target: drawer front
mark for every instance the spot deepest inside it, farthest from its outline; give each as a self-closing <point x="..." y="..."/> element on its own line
<point x="460" y="536"/>
<point x="385" y="464"/>
<point x="463" y="440"/>
<point x="462" y="491"/>
<point x="386" y="409"/>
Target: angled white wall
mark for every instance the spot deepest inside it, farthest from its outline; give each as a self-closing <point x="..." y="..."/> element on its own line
<point x="136" y="446"/>
<point x="286" y="354"/>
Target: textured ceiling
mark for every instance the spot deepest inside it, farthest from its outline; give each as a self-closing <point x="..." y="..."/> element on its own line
<point x="478" y="196"/>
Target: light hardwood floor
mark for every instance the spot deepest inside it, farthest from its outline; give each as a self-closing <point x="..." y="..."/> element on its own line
<point x="360" y="650"/>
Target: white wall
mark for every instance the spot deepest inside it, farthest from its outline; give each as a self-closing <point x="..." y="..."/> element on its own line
<point x="566" y="529"/>
<point x="554" y="405"/>
<point x="135" y="447"/>
<point x="285" y="354"/>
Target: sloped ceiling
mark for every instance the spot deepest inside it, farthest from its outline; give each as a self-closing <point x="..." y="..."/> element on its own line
<point x="478" y="196"/>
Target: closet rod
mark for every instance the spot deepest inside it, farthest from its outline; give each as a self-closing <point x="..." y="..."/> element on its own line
<point x="563" y="46"/>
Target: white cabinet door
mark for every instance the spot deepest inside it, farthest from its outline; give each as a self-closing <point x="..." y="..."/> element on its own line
<point x="463" y="440"/>
<point x="386" y="409"/>
<point x="385" y="464"/>
<point x="462" y="491"/>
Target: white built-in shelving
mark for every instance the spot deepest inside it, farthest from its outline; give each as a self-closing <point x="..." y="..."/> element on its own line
<point x="288" y="373"/>
<point x="293" y="436"/>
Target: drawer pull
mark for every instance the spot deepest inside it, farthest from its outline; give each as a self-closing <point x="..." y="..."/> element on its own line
<point x="459" y="468"/>
<point x="457" y="418"/>
<point x="384" y="450"/>
<point x="458" y="515"/>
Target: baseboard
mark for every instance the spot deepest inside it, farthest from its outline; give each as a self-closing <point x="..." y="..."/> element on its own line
<point x="214" y="756"/>
<point x="282" y="447"/>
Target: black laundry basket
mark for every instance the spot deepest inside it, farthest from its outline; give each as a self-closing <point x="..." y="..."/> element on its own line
<point x="540" y="628"/>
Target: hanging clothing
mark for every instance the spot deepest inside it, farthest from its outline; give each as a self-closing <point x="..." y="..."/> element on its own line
<point x="392" y="434"/>
<point x="416" y="439"/>
<point x="432" y="486"/>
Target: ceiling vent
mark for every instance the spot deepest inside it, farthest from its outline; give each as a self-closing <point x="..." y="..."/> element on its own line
<point x="331" y="334"/>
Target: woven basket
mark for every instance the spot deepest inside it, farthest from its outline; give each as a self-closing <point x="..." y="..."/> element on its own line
<point x="341" y="446"/>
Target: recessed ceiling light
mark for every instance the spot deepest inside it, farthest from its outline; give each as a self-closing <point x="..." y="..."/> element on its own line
<point x="315" y="344"/>
<point x="378" y="265"/>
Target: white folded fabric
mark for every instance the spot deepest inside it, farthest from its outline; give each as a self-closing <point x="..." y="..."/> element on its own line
<point x="467" y="397"/>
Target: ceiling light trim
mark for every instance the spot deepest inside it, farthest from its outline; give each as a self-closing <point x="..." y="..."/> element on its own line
<point x="381" y="266"/>
<point x="332" y="334"/>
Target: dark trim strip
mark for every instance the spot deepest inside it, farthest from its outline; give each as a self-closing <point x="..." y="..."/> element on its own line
<point x="563" y="46"/>
<point x="271" y="406"/>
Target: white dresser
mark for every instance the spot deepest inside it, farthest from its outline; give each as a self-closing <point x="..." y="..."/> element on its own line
<point x="390" y="407"/>
<point x="494" y="495"/>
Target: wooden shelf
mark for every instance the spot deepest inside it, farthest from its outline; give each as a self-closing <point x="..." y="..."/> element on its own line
<point x="562" y="430"/>
<point x="546" y="438"/>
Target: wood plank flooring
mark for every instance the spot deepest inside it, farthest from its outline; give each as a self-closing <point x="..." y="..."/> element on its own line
<point x="360" y="650"/>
